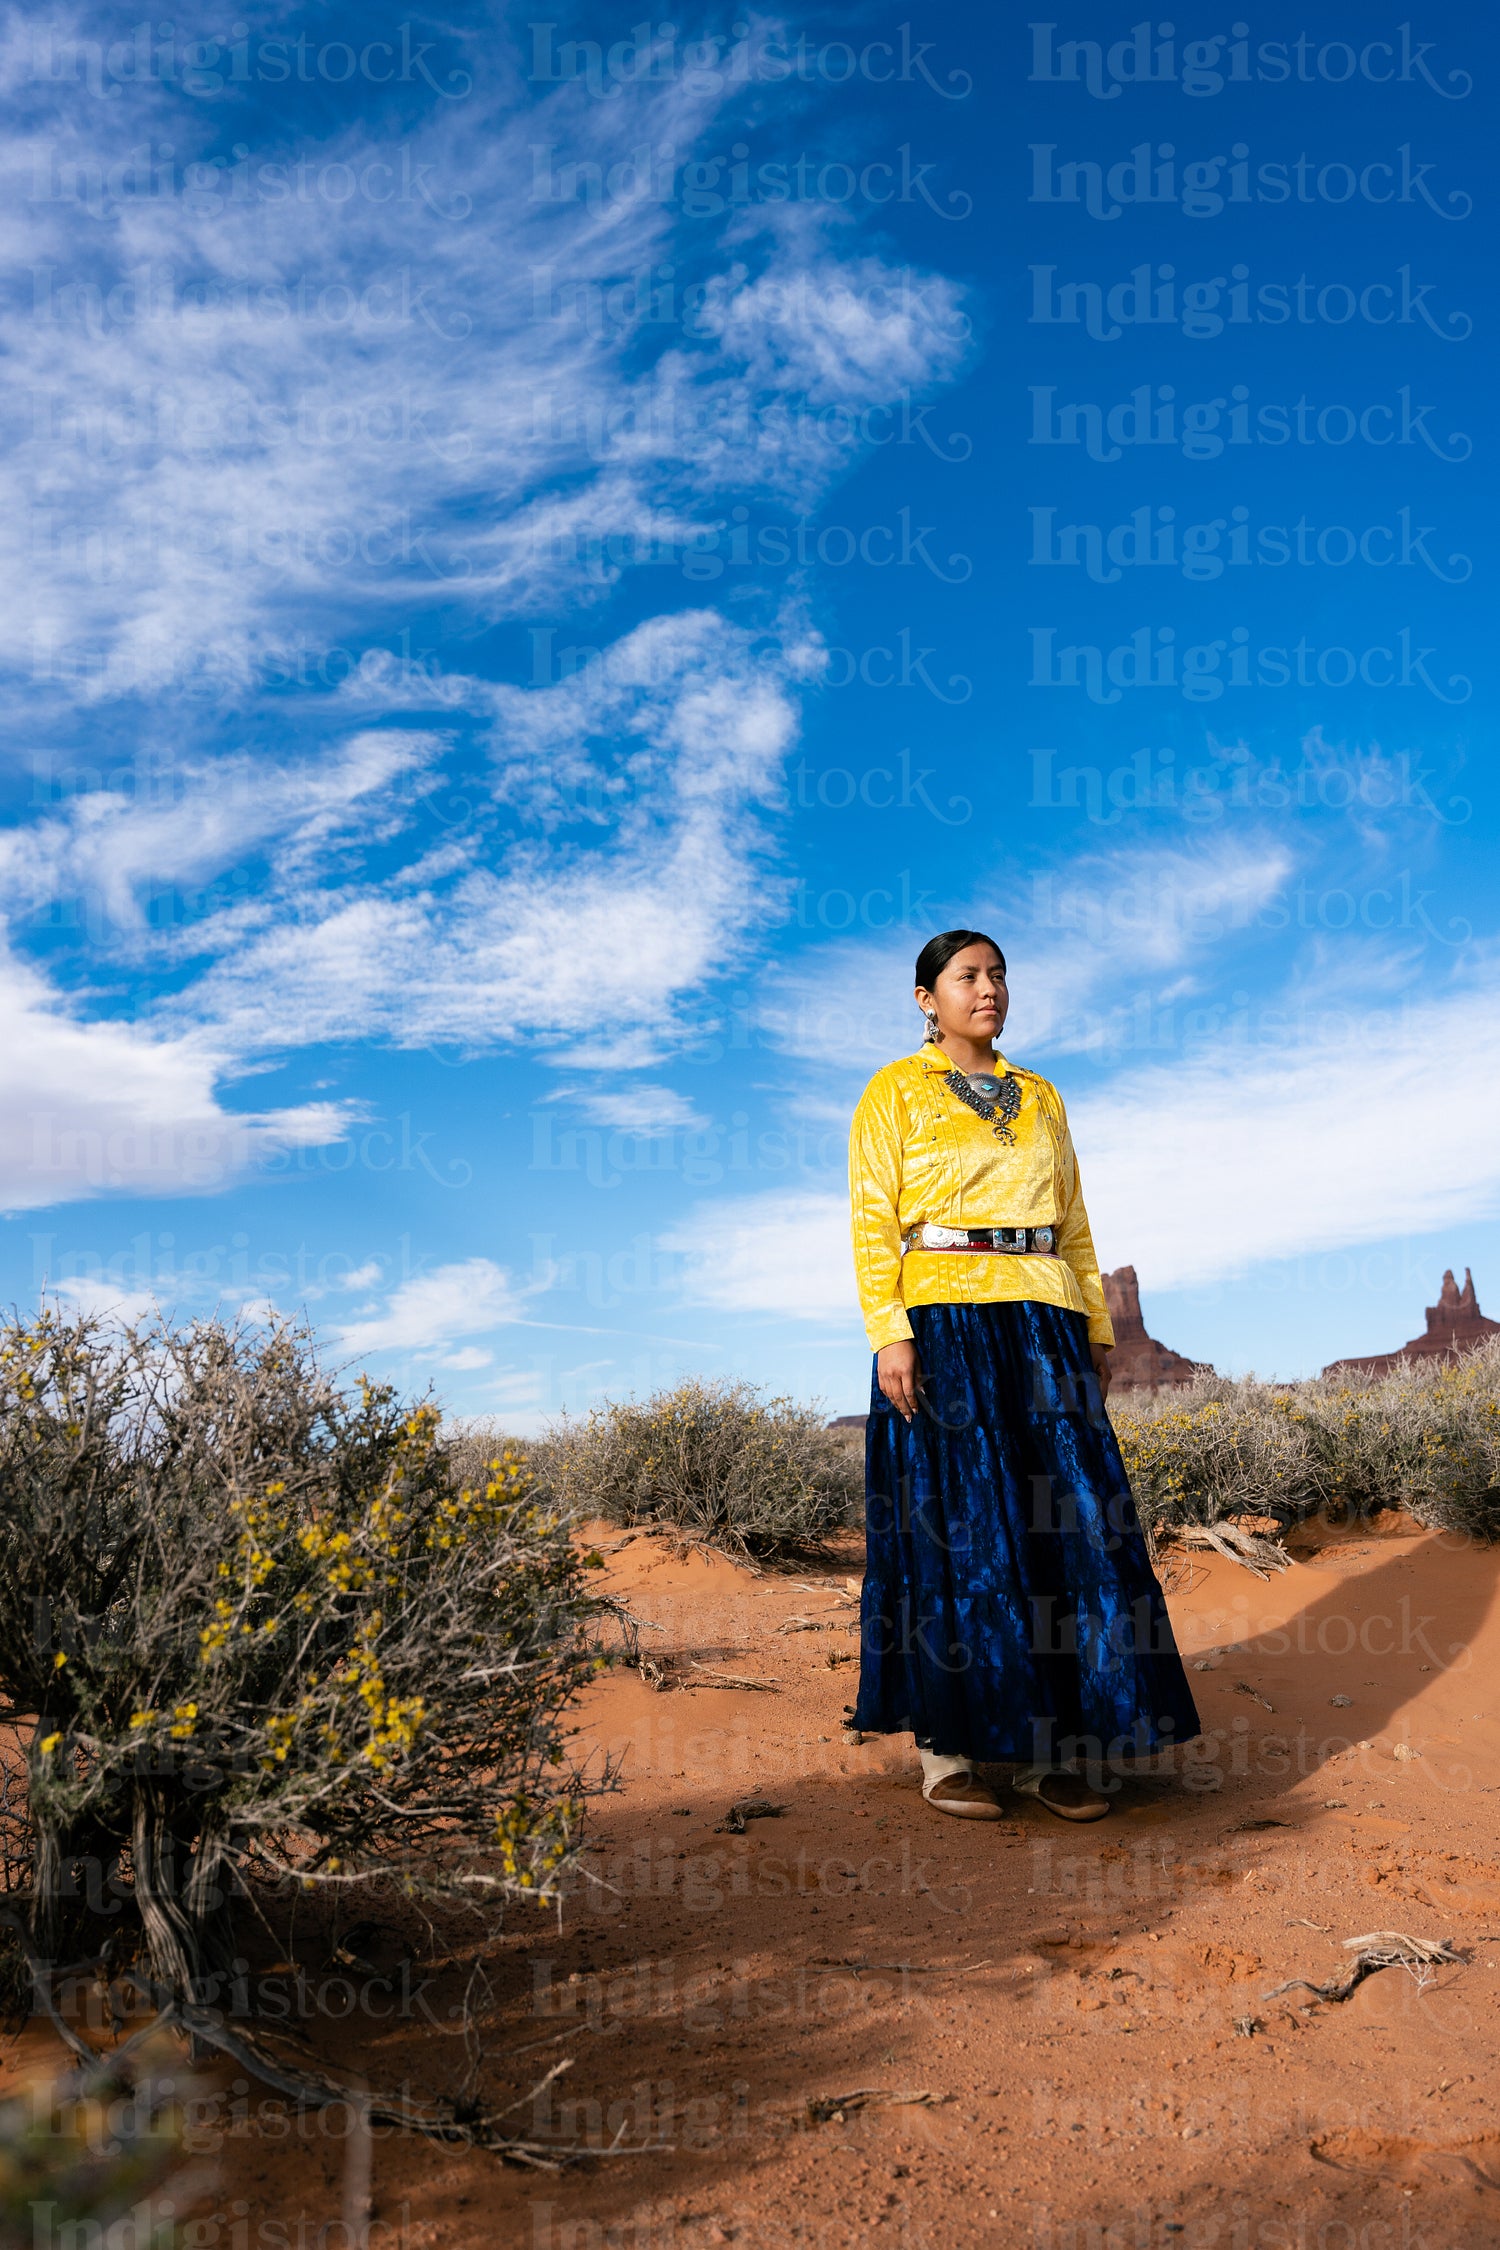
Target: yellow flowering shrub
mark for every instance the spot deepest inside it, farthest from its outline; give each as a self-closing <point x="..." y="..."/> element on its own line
<point x="257" y="1627"/>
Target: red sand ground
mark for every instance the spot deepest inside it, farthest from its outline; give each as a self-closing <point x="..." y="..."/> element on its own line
<point x="1082" y="2010"/>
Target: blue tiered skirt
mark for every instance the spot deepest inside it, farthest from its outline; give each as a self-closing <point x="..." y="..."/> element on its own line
<point x="1010" y="1610"/>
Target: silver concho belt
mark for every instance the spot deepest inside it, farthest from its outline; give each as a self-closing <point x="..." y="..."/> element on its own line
<point x="1004" y="1242"/>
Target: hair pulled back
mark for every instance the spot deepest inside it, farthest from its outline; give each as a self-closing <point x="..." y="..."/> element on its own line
<point x="939" y="951"/>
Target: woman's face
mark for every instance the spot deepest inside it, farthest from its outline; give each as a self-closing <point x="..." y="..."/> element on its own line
<point x="971" y="996"/>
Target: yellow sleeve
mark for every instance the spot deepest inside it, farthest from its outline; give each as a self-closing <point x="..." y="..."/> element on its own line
<point x="875" y="1143"/>
<point x="1076" y="1241"/>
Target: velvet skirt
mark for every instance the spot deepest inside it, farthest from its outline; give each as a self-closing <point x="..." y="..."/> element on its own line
<point x="1010" y="1610"/>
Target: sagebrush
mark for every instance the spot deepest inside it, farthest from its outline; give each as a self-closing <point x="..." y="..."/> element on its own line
<point x="714" y="1462"/>
<point x="254" y="1626"/>
<point x="1425" y="1438"/>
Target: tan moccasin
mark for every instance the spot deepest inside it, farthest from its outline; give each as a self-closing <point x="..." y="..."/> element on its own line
<point x="1067" y="1795"/>
<point x="965" y="1796"/>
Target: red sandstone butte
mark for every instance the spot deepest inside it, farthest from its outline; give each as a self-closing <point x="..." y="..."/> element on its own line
<point x="1455" y="1325"/>
<point x="1138" y="1362"/>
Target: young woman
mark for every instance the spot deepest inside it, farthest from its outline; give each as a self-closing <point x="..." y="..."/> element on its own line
<point x="1010" y="1610"/>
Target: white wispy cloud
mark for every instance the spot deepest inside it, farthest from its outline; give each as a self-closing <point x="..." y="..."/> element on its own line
<point x="635" y="1108"/>
<point x="678" y="737"/>
<point x="104" y="1301"/>
<point x="256" y="421"/>
<point x="1372" y="1121"/>
<point x="91" y="1108"/>
<point x="193" y="818"/>
<point x="1078" y="940"/>
<point x="253" y="432"/>
<point x="786" y="1254"/>
<point x="426" y="1315"/>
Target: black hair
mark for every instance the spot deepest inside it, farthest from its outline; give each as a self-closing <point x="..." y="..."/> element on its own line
<point x="939" y="951"/>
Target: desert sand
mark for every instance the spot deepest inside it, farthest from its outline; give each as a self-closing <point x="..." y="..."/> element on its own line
<point x="858" y="2021"/>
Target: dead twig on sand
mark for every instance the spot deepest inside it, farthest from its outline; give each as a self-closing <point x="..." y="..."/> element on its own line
<point x="667" y="1672"/>
<point x="832" y="2109"/>
<point x="705" y="1678"/>
<point x="897" y="1968"/>
<point x="747" y="1808"/>
<point x="1237" y="1545"/>
<point x="1377" y="1949"/>
<point x="845" y="1596"/>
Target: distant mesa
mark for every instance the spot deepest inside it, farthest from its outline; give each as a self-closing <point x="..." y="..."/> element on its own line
<point x="1455" y="1325"/>
<point x="1138" y="1362"/>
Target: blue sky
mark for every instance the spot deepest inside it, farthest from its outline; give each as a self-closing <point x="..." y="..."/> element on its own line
<point x="547" y="555"/>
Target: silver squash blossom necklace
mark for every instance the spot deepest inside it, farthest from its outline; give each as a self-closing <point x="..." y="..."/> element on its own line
<point x="996" y="1100"/>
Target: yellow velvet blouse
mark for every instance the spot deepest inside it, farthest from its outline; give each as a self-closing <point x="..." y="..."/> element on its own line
<point x="916" y="1154"/>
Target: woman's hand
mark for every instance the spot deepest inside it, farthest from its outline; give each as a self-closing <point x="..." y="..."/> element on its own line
<point x="900" y="1376"/>
<point x="1099" y="1354"/>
